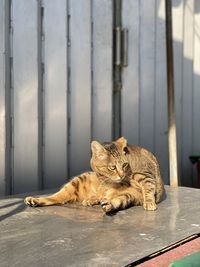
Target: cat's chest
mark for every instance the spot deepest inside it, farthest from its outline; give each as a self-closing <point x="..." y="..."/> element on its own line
<point x="108" y="192"/>
<point x="134" y="182"/>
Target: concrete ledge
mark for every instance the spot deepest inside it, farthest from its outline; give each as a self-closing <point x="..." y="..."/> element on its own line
<point x="73" y="235"/>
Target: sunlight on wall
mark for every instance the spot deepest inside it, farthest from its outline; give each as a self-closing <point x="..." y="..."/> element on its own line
<point x="161" y="10"/>
<point x="196" y="65"/>
<point x="188" y="29"/>
<point x="177" y="13"/>
<point x="177" y="17"/>
<point x="181" y="14"/>
<point x="2" y="131"/>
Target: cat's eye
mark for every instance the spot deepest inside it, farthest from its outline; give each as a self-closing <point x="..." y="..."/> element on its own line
<point x="125" y="165"/>
<point x="125" y="151"/>
<point x="112" y="167"/>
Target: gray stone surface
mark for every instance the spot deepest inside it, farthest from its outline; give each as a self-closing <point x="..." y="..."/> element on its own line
<point x="73" y="235"/>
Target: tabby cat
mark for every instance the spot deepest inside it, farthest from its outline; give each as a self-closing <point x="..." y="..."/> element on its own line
<point x="123" y="175"/>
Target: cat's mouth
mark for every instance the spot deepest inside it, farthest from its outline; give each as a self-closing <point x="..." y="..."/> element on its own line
<point x="119" y="179"/>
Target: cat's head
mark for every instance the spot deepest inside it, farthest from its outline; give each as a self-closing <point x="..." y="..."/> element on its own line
<point x="110" y="160"/>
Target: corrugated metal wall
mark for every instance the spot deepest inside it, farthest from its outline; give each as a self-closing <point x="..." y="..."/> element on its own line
<point x="186" y="24"/>
<point x="56" y="85"/>
<point x="144" y="94"/>
<point x="59" y="88"/>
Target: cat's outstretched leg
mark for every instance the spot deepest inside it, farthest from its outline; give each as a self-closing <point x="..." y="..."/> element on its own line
<point x="77" y="190"/>
<point x="61" y="197"/>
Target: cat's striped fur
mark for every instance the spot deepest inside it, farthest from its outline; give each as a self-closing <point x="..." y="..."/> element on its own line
<point x="123" y="175"/>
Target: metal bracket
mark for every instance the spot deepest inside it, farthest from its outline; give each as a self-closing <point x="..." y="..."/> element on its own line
<point x="121" y="47"/>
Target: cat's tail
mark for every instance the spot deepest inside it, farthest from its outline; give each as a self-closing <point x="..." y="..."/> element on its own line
<point x="160" y="189"/>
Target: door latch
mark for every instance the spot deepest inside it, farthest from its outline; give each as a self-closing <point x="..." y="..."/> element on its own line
<point x="121" y="47"/>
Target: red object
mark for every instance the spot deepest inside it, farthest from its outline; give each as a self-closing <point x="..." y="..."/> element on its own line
<point x="177" y="253"/>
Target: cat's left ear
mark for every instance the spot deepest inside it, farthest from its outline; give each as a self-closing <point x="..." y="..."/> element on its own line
<point x="122" y="143"/>
<point x="98" y="150"/>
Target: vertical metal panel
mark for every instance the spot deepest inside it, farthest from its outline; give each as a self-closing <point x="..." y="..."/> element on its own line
<point x="177" y="19"/>
<point x="147" y="73"/>
<point x="2" y="98"/>
<point x="25" y="67"/>
<point x="196" y="81"/>
<point x="130" y="74"/>
<point x="80" y="85"/>
<point x="186" y="111"/>
<point x="102" y="70"/>
<point x="55" y="92"/>
<point x="161" y="120"/>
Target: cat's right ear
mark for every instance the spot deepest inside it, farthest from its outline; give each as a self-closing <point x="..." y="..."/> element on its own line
<point x="98" y="150"/>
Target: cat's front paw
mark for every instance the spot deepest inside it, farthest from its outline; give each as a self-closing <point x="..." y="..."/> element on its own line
<point x="107" y="206"/>
<point x="90" y="202"/>
<point x="149" y="205"/>
<point x="31" y="201"/>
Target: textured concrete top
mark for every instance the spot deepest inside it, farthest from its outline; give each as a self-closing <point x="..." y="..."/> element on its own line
<point x="73" y="235"/>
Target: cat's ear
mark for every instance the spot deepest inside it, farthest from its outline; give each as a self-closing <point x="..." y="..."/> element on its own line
<point x="98" y="150"/>
<point x="122" y="143"/>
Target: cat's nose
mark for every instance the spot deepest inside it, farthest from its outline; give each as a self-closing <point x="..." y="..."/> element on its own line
<point x="121" y="174"/>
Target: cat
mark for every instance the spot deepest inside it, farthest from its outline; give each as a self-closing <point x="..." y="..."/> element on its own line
<point x="123" y="175"/>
